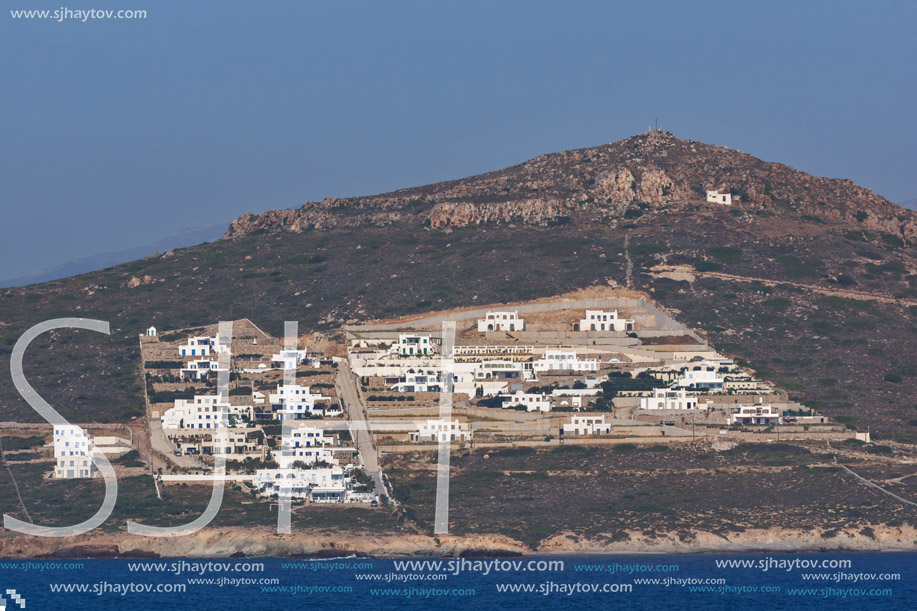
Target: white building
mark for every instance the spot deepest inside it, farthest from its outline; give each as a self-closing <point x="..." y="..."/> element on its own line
<point x="716" y="197"/>
<point x="441" y="431"/>
<point x="755" y="414"/>
<point x="501" y="321"/>
<point x="151" y="332"/>
<point x="533" y="402"/>
<point x="288" y="359"/>
<point x="564" y="358"/>
<point x="306" y="444"/>
<point x="200" y="368"/>
<point x="73" y="450"/>
<point x="600" y="320"/>
<point x="297" y="402"/>
<point x="205" y="412"/>
<point x="418" y="382"/>
<point x="666" y="399"/>
<point x="203" y="346"/>
<point x="593" y="424"/>
<point x="323" y="485"/>
<point x="410" y="344"/>
<point x="703" y="376"/>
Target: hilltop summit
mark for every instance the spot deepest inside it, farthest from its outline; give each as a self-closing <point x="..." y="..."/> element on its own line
<point x="651" y="172"/>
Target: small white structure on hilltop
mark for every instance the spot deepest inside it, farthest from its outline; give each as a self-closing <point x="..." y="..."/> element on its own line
<point x="324" y="485"/>
<point x="755" y="414"/>
<point x="201" y="368"/>
<point x="666" y="399"/>
<point x="410" y="344"/>
<point x="305" y="444"/>
<point x="555" y="359"/>
<point x="73" y="450"/>
<point x="533" y="402"/>
<point x="151" y="332"/>
<point x="593" y="424"/>
<point x="716" y="197"/>
<point x="288" y="359"/>
<point x="203" y="346"/>
<point x="295" y="402"/>
<point x="600" y="320"/>
<point x="441" y="431"/>
<point x="501" y="321"/>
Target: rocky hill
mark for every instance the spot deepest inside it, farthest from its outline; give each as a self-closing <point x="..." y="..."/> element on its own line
<point x="599" y="185"/>
<point x="810" y="281"/>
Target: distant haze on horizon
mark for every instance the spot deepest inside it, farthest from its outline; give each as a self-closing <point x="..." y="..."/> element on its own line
<point x="119" y="133"/>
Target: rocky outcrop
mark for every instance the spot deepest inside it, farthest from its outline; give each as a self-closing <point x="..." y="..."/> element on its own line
<point x="590" y="185"/>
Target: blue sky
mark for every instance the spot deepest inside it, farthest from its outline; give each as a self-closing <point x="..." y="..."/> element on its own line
<point x="117" y="133"/>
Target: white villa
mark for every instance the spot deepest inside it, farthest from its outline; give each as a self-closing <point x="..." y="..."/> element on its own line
<point x="73" y="450"/>
<point x="666" y="399"/>
<point x="441" y="431"/>
<point x="410" y="344"/>
<point x="593" y="424"/>
<point x="716" y="197"/>
<point x="418" y="382"/>
<point x="203" y="346"/>
<point x="533" y="402"/>
<point x="573" y="397"/>
<point x="501" y="321"/>
<point x="297" y="402"/>
<point x="200" y="369"/>
<point x="324" y="485"/>
<point x="306" y="444"/>
<point x="564" y="358"/>
<point x="288" y="359"/>
<point x="204" y="412"/>
<point x="755" y="414"/>
<point x="600" y="320"/>
<point x="704" y="376"/>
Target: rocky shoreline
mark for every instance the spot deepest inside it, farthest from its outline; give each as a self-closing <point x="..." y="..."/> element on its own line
<point x="224" y="543"/>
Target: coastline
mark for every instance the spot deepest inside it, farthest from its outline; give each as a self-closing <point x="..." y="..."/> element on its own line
<point x="239" y="543"/>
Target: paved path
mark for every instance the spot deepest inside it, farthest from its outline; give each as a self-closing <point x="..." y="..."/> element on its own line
<point x="346" y="384"/>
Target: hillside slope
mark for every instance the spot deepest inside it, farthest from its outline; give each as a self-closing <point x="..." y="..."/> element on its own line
<point x="812" y="281"/>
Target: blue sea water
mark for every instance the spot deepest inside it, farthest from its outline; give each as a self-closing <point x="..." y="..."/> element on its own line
<point x="712" y="582"/>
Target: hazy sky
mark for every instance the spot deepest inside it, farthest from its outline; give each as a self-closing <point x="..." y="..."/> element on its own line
<point x="118" y="132"/>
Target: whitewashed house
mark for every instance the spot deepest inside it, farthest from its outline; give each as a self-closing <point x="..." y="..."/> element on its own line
<point x="418" y="382"/>
<point x="592" y="424"/>
<point x="297" y="402"/>
<point x="704" y="376"/>
<point x="668" y="399"/>
<point x="574" y="397"/>
<point x="501" y="321"/>
<point x="303" y="443"/>
<point x="755" y="414"/>
<point x="73" y="449"/>
<point x="200" y="369"/>
<point x="533" y="402"/>
<point x="151" y="332"/>
<point x="410" y="344"/>
<point x="203" y="346"/>
<point x="555" y="359"/>
<point x="205" y="412"/>
<point x="600" y="320"/>
<point x="288" y="359"/>
<point x="323" y="485"/>
<point x="716" y="197"/>
<point x="441" y="431"/>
